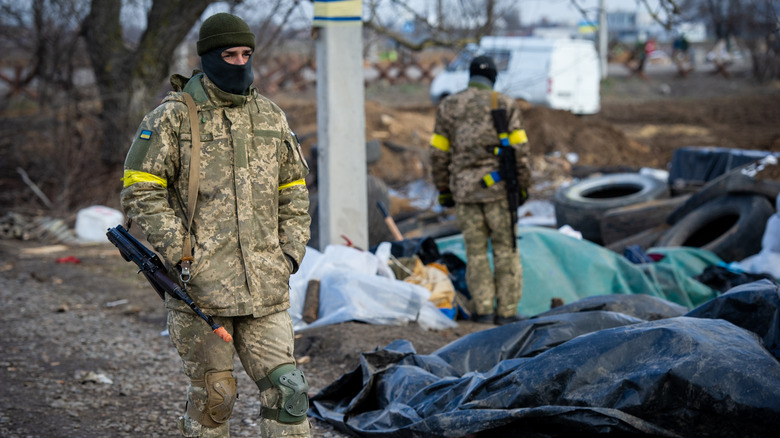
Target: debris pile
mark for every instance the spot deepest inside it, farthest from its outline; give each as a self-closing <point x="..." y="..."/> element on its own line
<point x="44" y="229"/>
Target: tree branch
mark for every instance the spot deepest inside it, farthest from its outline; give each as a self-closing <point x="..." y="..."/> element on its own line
<point x="418" y="46"/>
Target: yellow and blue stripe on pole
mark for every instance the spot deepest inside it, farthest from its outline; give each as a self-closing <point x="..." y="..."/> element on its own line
<point x="337" y="12"/>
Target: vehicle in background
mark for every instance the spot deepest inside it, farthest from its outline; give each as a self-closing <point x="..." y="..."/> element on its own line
<point x="558" y="73"/>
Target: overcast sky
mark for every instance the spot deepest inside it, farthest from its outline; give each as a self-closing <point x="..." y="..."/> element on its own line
<point x="531" y="10"/>
<point x="562" y="10"/>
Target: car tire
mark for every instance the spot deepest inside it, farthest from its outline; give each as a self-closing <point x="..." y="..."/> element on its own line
<point x="730" y="226"/>
<point x="582" y="205"/>
<point x="622" y="222"/>
<point x="730" y="183"/>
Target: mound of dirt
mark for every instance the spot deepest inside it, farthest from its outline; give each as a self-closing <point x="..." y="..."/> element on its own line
<point x="595" y="142"/>
<point x="405" y="132"/>
<point x="735" y="121"/>
<point x="628" y="133"/>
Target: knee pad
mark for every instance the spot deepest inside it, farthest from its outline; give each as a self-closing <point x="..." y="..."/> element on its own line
<point x="294" y="401"/>
<point x="221" y="395"/>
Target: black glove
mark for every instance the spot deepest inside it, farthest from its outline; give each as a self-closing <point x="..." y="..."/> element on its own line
<point x="445" y="198"/>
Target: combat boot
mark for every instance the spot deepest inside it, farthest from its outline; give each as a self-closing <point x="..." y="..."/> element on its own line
<point x="488" y="318"/>
<point x="503" y="320"/>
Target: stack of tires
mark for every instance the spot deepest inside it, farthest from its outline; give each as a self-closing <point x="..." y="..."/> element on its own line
<point x="583" y="205"/>
<point x="727" y="216"/>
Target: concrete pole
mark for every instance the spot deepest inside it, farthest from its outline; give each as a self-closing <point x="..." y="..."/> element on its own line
<point x="341" y="123"/>
<point x="603" y="39"/>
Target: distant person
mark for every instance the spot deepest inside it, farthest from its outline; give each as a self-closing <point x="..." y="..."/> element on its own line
<point x="249" y="230"/>
<point x="633" y="58"/>
<point x="465" y="165"/>
<point x="682" y="59"/>
<point x="650" y="48"/>
<point x="636" y="62"/>
<point x="645" y="51"/>
<point x="721" y="57"/>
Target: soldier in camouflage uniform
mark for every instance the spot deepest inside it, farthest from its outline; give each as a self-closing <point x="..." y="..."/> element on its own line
<point x="249" y="232"/>
<point x="462" y="154"/>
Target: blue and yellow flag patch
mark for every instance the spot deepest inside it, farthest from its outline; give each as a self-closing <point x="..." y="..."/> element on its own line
<point x="145" y="135"/>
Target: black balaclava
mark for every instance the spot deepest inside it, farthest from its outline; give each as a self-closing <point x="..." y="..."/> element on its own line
<point x="218" y="33"/>
<point x="231" y="78"/>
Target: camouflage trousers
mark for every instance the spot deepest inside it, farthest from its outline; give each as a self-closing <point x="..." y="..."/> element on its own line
<point x="490" y="222"/>
<point x="262" y="344"/>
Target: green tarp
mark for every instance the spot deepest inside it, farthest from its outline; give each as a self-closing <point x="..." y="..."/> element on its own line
<point x="556" y="265"/>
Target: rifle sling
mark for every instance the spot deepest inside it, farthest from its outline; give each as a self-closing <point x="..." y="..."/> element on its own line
<point x="194" y="174"/>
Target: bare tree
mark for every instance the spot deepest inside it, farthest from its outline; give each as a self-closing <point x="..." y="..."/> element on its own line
<point x="270" y="27"/>
<point x="128" y="78"/>
<point x="754" y="22"/>
<point x="765" y="42"/>
<point x="49" y="41"/>
<point x="44" y="36"/>
<point x="450" y="23"/>
<point x="455" y="23"/>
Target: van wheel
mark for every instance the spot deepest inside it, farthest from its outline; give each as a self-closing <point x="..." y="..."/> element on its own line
<point x="730" y="226"/>
<point x="583" y="204"/>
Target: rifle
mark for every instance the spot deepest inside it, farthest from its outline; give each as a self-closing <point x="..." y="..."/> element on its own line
<point x="507" y="170"/>
<point x="153" y="269"/>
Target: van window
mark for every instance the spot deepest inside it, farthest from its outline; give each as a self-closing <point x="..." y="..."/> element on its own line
<point x="500" y="57"/>
<point x="463" y="59"/>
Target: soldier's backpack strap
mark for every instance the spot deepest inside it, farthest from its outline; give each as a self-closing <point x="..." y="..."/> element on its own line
<point x="192" y="197"/>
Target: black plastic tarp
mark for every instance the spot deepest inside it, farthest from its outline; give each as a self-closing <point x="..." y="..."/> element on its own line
<point x="697" y="164"/>
<point x="711" y="372"/>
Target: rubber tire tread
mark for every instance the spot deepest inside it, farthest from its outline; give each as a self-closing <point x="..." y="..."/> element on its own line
<point x="584" y="214"/>
<point x="740" y="240"/>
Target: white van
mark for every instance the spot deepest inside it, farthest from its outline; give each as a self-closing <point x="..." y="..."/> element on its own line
<point x="557" y="73"/>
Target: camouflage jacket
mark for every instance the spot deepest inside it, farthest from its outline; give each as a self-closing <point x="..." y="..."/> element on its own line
<point x="463" y="141"/>
<point x="251" y="224"/>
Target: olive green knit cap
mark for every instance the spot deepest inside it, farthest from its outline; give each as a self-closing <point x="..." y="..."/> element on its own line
<point x="224" y="30"/>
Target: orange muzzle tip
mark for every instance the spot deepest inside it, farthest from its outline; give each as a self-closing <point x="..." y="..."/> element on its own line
<point x="222" y="333"/>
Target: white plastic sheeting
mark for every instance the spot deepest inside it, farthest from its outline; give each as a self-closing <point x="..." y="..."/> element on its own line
<point x="767" y="261"/>
<point x="356" y="285"/>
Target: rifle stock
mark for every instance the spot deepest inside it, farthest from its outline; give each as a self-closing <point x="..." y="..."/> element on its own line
<point x="154" y="270"/>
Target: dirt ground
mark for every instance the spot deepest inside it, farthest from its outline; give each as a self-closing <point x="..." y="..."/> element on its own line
<point x="641" y="124"/>
<point x="83" y="354"/>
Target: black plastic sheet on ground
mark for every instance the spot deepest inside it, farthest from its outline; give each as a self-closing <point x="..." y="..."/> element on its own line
<point x="711" y="372"/>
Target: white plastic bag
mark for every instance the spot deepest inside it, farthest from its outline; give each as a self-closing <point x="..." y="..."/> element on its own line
<point x="93" y="222"/>
<point x="351" y="290"/>
<point x="767" y="261"/>
<point x="383" y="256"/>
